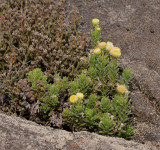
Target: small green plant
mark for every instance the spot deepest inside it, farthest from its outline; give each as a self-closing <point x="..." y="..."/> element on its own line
<point x="107" y="125"/>
<point x="80" y="84"/>
<point x="36" y="76"/>
<point x="49" y="93"/>
<point x="96" y="33"/>
<point x="105" y="108"/>
<point x="98" y="97"/>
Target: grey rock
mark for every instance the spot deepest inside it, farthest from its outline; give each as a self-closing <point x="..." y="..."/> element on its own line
<point x="20" y="134"/>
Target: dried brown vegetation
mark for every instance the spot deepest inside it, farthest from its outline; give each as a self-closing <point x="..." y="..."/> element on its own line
<point x="35" y="34"/>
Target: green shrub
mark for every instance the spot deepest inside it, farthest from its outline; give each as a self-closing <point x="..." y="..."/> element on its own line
<point x="35" y="76"/>
<point x="98" y="97"/>
<point x="105" y="108"/>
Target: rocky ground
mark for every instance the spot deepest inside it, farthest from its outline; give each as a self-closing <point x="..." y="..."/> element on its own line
<point x="132" y="25"/>
<point x="19" y="134"/>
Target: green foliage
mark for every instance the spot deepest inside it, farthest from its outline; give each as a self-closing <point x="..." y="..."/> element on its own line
<point x="113" y="71"/>
<point x="99" y="66"/>
<point x="127" y="132"/>
<point x="92" y="101"/>
<point x="80" y="84"/>
<point x="105" y="110"/>
<point x="64" y="83"/>
<point x="96" y="36"/>
<point x="106" y="125"/>
<point x="51" y="97"/>
<point x="74" y="88"/>
<point x="126" y="76"/>
<point x="121" y="108"/>
<point x="99" y="113"/>
<point x="83" y="83"/>
<point x="35" y="76"/>
<point x="73" y="117"/>
<point x="77" y="110"/>
<point x="106" y="105"/>
<point x="51" y="92"/>
<point x="93" y="73"/>
<point x="91" y="118"/>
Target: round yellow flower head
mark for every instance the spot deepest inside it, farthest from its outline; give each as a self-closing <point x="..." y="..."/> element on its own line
<point x="102" y="45"/>
<point x="80" y="95"/>
<point x="115" y="52"/>
<point x="109" y="46"/>
<point x="73" y="98"/>
<point x="97" y="51"/>
<point x="121" y="89"/>
<point x="95" y="22"/>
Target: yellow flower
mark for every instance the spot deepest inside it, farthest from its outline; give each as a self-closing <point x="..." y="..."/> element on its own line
<point x="80" y="95"/>
<point x="109" y="46"/>
<point x="97" y="51"/>
<point x="95" y="22"/>
<point x="115" y="52"/>
<point x="102" y="45"/>
<point x="122" y="89"/>
<point x="73" y="98"/>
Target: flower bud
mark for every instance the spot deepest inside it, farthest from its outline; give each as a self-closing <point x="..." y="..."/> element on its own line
<point x="95" y="22"/>
<point x="109" y="46"/>
<point x="53" y="96"/>
<point x="80" y="95"/>
<point x="102" y="45"/>
<point x="115" y="52"/>
<point x="121" y="126"/>
<point x="100" y="84"/>
<point x="97" y="51"/>
<point x="100" y="123"/>
<point x="112" y="117"/>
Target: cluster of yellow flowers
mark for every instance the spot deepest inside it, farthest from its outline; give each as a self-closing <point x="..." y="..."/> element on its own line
<point x="75" y="98"/>
<point x="114" y="51"/>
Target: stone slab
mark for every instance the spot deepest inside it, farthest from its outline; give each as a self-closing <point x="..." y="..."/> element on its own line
<point x="20" y="134"/>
